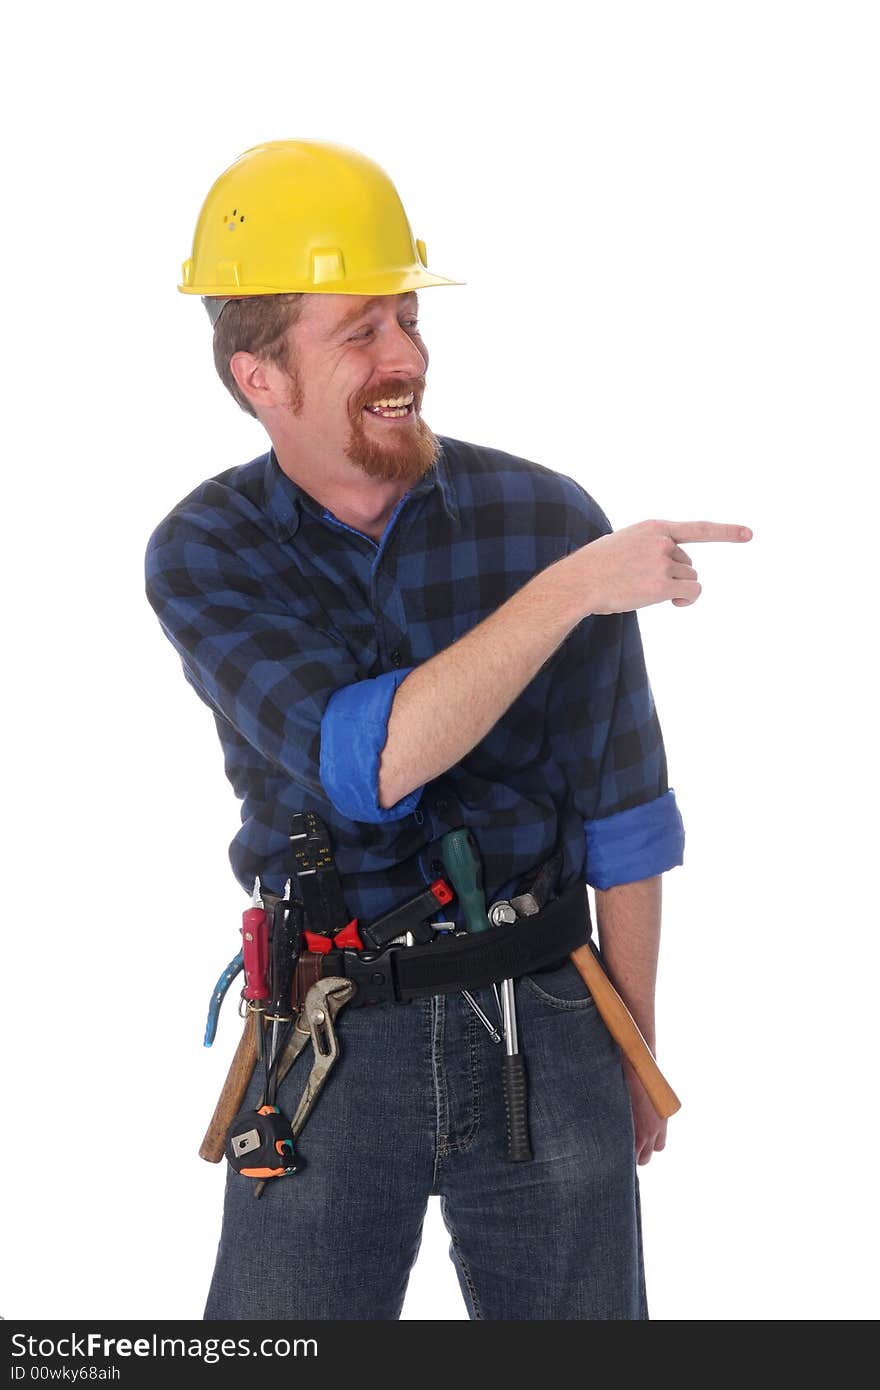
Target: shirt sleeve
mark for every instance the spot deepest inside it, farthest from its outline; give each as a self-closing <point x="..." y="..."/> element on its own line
<point x="266" y="665"/>
<point x="607" y="737"/>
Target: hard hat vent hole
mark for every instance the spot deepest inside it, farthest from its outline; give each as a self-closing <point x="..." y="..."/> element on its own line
<point x="229" y="219"/>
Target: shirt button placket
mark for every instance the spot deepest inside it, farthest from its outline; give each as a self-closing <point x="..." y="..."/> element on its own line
<point x="390" y="619"/>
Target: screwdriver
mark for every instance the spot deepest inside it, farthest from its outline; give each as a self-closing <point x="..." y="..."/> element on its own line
<point x="461" y="858"/>
<point x="282" y="967"/>
<point x="255" y="949"/>
<point x="255" y="945"/>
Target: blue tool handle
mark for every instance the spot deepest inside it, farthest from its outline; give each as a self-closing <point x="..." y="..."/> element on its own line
<point x="220" y="991"/>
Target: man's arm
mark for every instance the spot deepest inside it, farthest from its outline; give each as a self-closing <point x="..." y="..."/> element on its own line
<point x="293" y="690"/>
<point x="628" y="921"/>
<point x="446" y="706"/>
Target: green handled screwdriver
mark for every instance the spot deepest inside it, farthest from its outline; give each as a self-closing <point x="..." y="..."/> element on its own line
<point x="464" y="868"/>
<point x="461" y="858"/>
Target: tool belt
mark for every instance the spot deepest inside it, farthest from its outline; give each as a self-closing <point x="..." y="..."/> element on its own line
<point x="456" y="961"/>
<point x="406" y="957"/>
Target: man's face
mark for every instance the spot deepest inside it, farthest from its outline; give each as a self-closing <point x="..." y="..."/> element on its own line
<point x="349" y="352"/>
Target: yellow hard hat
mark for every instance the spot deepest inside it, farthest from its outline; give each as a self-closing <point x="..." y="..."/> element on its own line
<point x="304" y="216"/>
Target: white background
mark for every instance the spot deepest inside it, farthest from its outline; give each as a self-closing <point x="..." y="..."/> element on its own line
<point x="666" y="215"/>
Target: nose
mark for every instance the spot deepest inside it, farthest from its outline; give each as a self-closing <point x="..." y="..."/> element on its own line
<point x="398" y="355"/>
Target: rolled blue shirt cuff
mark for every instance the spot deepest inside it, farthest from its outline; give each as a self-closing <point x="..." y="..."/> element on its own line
<point x="638" y="843"/>
<point x="353" y="733"/>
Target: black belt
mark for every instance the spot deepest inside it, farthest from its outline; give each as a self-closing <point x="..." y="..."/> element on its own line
<point x="469" y="960"/>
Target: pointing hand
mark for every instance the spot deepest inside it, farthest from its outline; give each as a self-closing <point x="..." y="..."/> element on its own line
<point x="644" y="564"/>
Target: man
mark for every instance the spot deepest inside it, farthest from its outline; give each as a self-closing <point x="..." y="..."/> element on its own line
<point x="408" y="634"/>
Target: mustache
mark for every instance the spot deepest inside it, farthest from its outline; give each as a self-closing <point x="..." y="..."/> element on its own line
<point x="391" y="389"/>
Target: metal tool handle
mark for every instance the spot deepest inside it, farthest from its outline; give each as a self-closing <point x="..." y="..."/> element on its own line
<point x="516" y="1104"/>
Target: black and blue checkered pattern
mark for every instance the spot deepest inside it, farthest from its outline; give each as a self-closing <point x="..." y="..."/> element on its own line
<point x="276" y="607"/>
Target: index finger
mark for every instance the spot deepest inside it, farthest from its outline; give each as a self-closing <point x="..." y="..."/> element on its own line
<point x="707" y="531"/>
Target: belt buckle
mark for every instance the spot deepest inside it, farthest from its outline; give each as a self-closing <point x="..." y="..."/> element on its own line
<point x="373" y="973"/>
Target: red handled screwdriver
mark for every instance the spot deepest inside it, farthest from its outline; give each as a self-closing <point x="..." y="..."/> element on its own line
<point x="255" y="948"/>
<point x="255" y="944"/>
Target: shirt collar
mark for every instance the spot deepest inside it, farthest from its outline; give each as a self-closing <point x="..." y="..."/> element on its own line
<point x="286" y="500"/>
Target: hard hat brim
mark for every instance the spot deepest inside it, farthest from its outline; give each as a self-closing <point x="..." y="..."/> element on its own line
<point x="390" y="282"/>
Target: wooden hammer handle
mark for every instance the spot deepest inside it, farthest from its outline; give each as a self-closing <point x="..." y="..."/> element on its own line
<point x="623" y="1028"/>
<point x="234" y="1088"/>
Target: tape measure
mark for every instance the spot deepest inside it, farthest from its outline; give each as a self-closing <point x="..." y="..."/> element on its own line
<point x="259" y="1144"/>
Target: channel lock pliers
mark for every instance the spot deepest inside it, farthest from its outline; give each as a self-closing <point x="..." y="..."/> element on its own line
<point x="322" y="1003"/>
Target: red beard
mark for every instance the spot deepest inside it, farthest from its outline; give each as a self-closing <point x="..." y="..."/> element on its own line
<point x="404" y="456"/>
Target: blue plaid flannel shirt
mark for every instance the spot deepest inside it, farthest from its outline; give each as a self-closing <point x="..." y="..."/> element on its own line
<point x="296" y="630"/>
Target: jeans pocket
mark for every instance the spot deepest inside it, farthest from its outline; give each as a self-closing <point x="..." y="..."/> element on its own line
<point x="562" y="987"/>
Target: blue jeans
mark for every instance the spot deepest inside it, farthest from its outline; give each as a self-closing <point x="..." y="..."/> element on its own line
<point x="413" y="1108"/>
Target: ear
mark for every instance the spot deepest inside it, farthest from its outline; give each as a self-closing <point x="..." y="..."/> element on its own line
<point x="259" y="381"/>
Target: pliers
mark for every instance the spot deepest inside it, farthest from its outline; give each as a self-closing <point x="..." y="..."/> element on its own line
<point x="323" y="1002"/>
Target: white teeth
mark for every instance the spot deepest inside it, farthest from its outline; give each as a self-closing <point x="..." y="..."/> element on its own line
<point x="397" y="401"/>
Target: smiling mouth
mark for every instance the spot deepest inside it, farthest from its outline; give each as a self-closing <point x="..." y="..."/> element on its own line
<point x="392" y="407"/>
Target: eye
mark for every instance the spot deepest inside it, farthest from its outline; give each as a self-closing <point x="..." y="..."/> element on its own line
<point x="411" y="325"/>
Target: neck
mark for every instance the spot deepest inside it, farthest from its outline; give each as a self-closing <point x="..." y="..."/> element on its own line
<point x="350" y="494"/>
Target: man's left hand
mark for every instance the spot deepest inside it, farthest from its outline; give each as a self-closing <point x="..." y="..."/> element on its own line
<point x="650" y="1129"/>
